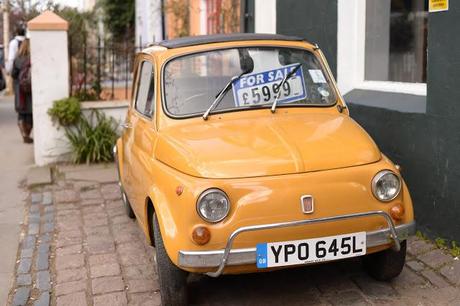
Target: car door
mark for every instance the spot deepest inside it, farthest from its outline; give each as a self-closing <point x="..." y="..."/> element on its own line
<point x="128" y="138"/>
<point x="144" y="135"/>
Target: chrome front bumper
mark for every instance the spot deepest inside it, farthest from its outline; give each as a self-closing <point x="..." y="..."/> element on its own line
<point x="233" y="257"/>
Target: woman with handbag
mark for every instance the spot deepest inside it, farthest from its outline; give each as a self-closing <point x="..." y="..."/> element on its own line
<point x="21" y="75"/>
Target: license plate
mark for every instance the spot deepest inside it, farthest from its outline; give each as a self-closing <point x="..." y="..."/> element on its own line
<point x="306" y="251"/>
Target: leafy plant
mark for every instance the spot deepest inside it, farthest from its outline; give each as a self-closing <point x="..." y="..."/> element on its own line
<point x="88" y="95"/>
<point x="421" y="235"/>
<point x="455" y="250"/>
<point x="119" y="18"/>
<point x="65" y="111"/>
<point x="96" y="89"/>
<point x="441" y="243"/>
<point x="92" y="139"/>
<point x="179" y="10"/>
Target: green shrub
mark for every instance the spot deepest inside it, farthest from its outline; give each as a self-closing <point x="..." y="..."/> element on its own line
<point x="65" y="111"/>
<point x="92" y="139"/>
<point x="441" y="243"/>
<point x="89" y="95"/>
<point x="455" y="250"/>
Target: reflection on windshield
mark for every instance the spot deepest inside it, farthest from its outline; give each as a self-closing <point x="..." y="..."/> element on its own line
<point x="192" y="81"/>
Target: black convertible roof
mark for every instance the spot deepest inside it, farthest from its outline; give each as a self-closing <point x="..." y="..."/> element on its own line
<point x="217" y="38"/>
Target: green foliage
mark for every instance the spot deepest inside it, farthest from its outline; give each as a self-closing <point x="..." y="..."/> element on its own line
<point x="89" y="95"/>
<point x="79" y="23"/>
<point x="97" y="89"/>
<point x="441" y="243"/>
<point x="420" y="235"/>
<point x="92" y="139"/>
<point x="180" y="9"/>
<point x="65" y="111"/>
<point x="455" y="250"/>
<point x="119" y="18"/>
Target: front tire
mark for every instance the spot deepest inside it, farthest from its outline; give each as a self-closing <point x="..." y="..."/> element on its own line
<point x="387" y="264"/>
<point x="172" y="280"/>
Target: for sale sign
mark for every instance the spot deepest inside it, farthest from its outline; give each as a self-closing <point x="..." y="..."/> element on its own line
<point x="264" y="87"/>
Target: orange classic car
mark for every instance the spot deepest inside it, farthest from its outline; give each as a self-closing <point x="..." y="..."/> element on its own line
<point x="238" y="155"/>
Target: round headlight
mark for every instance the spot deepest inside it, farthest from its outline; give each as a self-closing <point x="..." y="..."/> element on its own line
<point x="213" y="205"/>
<point x="386" y="186"/>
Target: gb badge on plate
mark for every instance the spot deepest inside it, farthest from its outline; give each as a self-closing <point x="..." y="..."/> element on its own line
<point x="306" y="251"/>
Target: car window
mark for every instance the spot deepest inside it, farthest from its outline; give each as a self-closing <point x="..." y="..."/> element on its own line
<point x="191" y="82"/>
<point x="146" y="89"/>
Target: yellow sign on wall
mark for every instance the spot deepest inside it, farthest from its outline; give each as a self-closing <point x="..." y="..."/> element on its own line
<point x="439" y="5"/>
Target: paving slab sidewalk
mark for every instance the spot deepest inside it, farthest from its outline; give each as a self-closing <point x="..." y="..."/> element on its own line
<point x="15" y="159"/>
<point x="95" y="255"/>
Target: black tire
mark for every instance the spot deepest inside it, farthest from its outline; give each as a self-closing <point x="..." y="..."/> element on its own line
<point x="385" y="265"/>
<point x="129" y="211"/>
<point x="172" y="280"/>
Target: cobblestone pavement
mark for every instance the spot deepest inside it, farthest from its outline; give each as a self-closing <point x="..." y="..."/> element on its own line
<point x="79" y="248"/>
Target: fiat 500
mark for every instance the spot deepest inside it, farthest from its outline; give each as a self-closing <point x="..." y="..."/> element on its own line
<point x="238" y="155"/>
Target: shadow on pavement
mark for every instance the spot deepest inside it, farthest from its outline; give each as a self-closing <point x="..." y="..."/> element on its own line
<point x="310" y="285"/>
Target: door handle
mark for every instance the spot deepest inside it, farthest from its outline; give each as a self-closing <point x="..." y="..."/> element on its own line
<point x="126" y="125"/>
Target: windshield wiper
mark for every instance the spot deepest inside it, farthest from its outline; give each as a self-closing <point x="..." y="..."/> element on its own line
<point x="280" y="85"/>
<point x="222" y="93"/>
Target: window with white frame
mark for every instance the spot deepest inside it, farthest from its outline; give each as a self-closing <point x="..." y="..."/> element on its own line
<point x="382" y="45"/>
<point x="395" y="46"/>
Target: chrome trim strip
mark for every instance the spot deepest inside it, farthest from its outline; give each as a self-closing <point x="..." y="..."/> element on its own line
<point x="115" y="158"/>
<point x="211" y="259"/>
<point x="227" y="256"/>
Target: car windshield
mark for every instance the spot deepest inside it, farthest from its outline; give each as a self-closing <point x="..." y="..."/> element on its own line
<point x="192" y="82"/>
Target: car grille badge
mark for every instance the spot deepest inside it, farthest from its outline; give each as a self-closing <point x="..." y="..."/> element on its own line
<point x="307" y="204"/>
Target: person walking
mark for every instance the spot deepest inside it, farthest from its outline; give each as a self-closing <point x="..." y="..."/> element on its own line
<point x="13" y="48"/>
<point x="22" y="83"/>
<point x="2" y="66"/>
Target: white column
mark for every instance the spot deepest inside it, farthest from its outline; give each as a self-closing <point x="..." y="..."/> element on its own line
<point x="265" y="16"/>
<point x="50" y="82"/>
<point x="351" y="34"/>
<point x="156" y="24"/>
<point x="149" y="25"/>
<point x="203" y="17"/>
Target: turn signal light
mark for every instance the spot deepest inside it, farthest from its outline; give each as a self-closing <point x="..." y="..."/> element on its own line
<point x="397" y="212"/>
<point x="201" y="235"/>
<point x="179" y="190"/>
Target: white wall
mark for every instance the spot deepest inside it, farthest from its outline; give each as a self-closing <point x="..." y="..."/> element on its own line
<point x="50" y="82"/>
<point x="203" y="17"/>
<point x="148" y="21"/>
<point x="350" y="43"/>
<point x="265" y="16"/>
<point x="115" y="109"/>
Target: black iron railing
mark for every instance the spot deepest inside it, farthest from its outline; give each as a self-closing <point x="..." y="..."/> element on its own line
<point x="102" y="69"/>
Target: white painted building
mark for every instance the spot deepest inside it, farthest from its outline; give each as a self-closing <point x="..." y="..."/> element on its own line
<point x="149" y="24"/>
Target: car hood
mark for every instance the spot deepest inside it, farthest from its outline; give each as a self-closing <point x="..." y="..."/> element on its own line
<point x="263" y="146"/>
